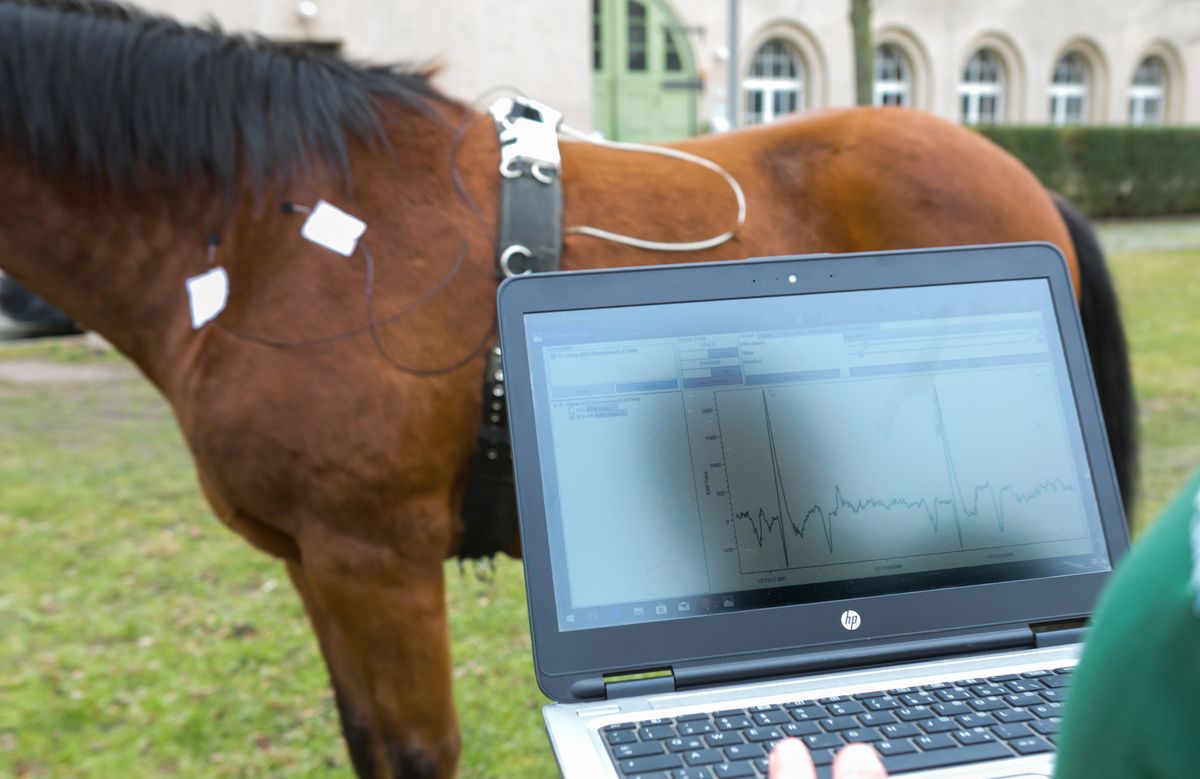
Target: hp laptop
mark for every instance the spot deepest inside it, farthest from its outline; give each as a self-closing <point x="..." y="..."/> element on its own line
<point x="854" y="498"/>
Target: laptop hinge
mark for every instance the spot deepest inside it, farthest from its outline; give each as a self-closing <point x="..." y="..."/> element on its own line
<point x="1059" y="633"/>
<point x="653" y="683"/>
<point x="851" y="657"/>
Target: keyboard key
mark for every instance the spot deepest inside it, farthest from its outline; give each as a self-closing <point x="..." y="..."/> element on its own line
<point x="833" y="724"/>
<point x="1030" y="746"/>
<point x="638" y="750"/>
<point x="861" y="735"/>
<point x="765" y="707"/>
<point x="936" y="686"/>
<point x="761" y="764"/>
<point x="822" y="757"/>
<point x="950" y="708"/>
<point x="734" y="770"/>
<point x="620" y="737"/>
<point x="803" y="713"/>
<point x="1009" y="732"/>
<point x="1035" y="674"/>
<point x="974" y="720"/>
<point x="873" y="719"/>
<point x="973" y="736"/>
<point x="845" y="708"/>
<point x="735" y="722"/>
<point x="777" y="717"/>
<point x="934" y="741"/>
<point x="1024" y="685"/>
<point x="989" y="690"/>
<point x="762" y="734"/>
<point x="912" y="713"/>
<point x="655" y="732"/>
<point x="1054" y="696"/>
<point x="744" y="752"/>
<point x="1003" y="678"/>
<point x="1066" y="670"/>
<point x="729" y="713"/>
<point x="1023" y="699"/>
<point x="938" y="725"/>
<point x="1047" y="727"/>
<point x="684" y="744"/>
<point x="656" y="721"/>
<point x="898" y="691"/>
<point x="692" y="717"/>
<point x="899" y="730"/>
<point x="699" y="728"/>
<point x="1012" y="715"/>
<point x="823" y="741"/>
<point x="953" y="695"/>
<point x="918" y="698"/>
<point x="940" y="758"/>
<point x="1047" y="710"/>
<point x="987" y="704"/>
<point x="862" y="696"/>
<point x="887" y="748"/>
<point x="798" y="729"/>
<point x="639" y="765"/>
<point x="703" y="757"/>
<point x="722" y="739"/>
<point x="833" y="699"/>
<point x="882" y="704"/>
<point x="691" y="773"/>
<point x="1055" y="681"/>
<point x="618" y="726"/>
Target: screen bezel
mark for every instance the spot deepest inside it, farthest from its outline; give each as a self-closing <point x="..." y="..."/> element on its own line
<point x="563" y="658"/>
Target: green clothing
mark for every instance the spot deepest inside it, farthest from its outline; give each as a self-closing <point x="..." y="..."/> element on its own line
<point x="1134" y="706"/>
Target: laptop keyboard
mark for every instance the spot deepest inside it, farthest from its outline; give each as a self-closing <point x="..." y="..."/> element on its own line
<point x="912" y="729"/>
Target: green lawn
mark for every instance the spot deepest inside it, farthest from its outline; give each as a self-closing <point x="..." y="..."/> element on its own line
<point x="138" y="637"/>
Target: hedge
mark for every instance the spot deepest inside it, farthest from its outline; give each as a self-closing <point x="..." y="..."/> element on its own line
<point x="1112" y="171"/>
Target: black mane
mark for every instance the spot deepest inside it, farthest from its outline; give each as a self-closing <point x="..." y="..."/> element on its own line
<point x="118" y="94"/>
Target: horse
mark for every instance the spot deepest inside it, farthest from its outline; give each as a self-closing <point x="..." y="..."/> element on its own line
<point x="137" y="152"/>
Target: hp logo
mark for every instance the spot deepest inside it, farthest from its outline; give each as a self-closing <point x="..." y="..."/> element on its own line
<point x="851" y="620"/>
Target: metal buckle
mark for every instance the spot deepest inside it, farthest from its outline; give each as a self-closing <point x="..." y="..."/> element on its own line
<point x="528" y="131"/>
<point x="506" y="258"/>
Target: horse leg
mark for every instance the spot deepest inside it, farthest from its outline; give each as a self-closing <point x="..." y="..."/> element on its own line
<point x="380" y="618"/>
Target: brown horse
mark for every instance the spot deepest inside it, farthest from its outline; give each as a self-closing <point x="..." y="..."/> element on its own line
<point x="126" y="139"/>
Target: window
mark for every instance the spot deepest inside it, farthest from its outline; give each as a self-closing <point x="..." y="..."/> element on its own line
<point x="893" y="76"/>
<point x="636" y="35"/>
<point x="674" y="62"/>
<point x="775" y="85"/>
<point x="1148" y="92"/>
<point x="981" y="93"/>
<point x="597" y="35"/>
<point x="1069" y="90"/>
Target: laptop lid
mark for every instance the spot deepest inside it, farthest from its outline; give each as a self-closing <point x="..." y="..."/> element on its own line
<point x="731" y="465"/>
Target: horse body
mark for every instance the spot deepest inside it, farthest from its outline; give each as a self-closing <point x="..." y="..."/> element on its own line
<point x="350" y="465"/>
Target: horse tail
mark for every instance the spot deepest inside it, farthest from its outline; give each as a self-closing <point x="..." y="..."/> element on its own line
<point x="1107" y="348"/>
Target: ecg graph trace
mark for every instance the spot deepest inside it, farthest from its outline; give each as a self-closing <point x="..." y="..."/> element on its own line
<point x="763" y="523"/>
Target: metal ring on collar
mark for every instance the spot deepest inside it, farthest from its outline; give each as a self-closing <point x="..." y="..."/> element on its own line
<point x="506" y="257"/>
<point x="509" y="169"/>
<point x="543" y="172"/>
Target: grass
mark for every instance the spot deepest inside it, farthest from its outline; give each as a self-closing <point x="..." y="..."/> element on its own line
<point x="138" y="637"/>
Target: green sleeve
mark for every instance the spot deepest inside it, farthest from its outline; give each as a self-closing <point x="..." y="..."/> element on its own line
<point x="1132" y="708"/>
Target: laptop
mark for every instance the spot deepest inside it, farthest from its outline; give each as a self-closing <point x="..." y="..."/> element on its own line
<point x="855" y="498"/>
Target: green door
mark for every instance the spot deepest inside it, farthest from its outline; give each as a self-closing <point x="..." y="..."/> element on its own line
<point x="644" y="75"/>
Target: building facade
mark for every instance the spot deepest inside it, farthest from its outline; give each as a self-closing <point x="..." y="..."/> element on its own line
<point x="660" y="69"/>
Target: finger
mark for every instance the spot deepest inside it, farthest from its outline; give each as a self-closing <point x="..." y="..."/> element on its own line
<point x="858" y="761"/>
<point x="790" y="760"/>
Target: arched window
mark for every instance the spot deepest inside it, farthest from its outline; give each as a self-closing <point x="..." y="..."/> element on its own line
<point x="1148" y="93"/>
<point x="1069" y="90"/>
<point x="775" y="85"/>
<point x="893" y="76"/>
<point x="981" y="93"/>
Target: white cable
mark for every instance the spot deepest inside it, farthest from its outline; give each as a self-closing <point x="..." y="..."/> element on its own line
<point x="661" y="246"/>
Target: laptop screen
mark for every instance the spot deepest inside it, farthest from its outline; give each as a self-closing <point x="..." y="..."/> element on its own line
<point x="713" y="456"/>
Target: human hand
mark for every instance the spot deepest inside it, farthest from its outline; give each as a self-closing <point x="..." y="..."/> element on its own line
<point x="790" y="760"/>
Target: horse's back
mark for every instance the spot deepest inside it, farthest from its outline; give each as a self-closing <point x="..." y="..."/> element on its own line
<point x="869" y="178"/>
